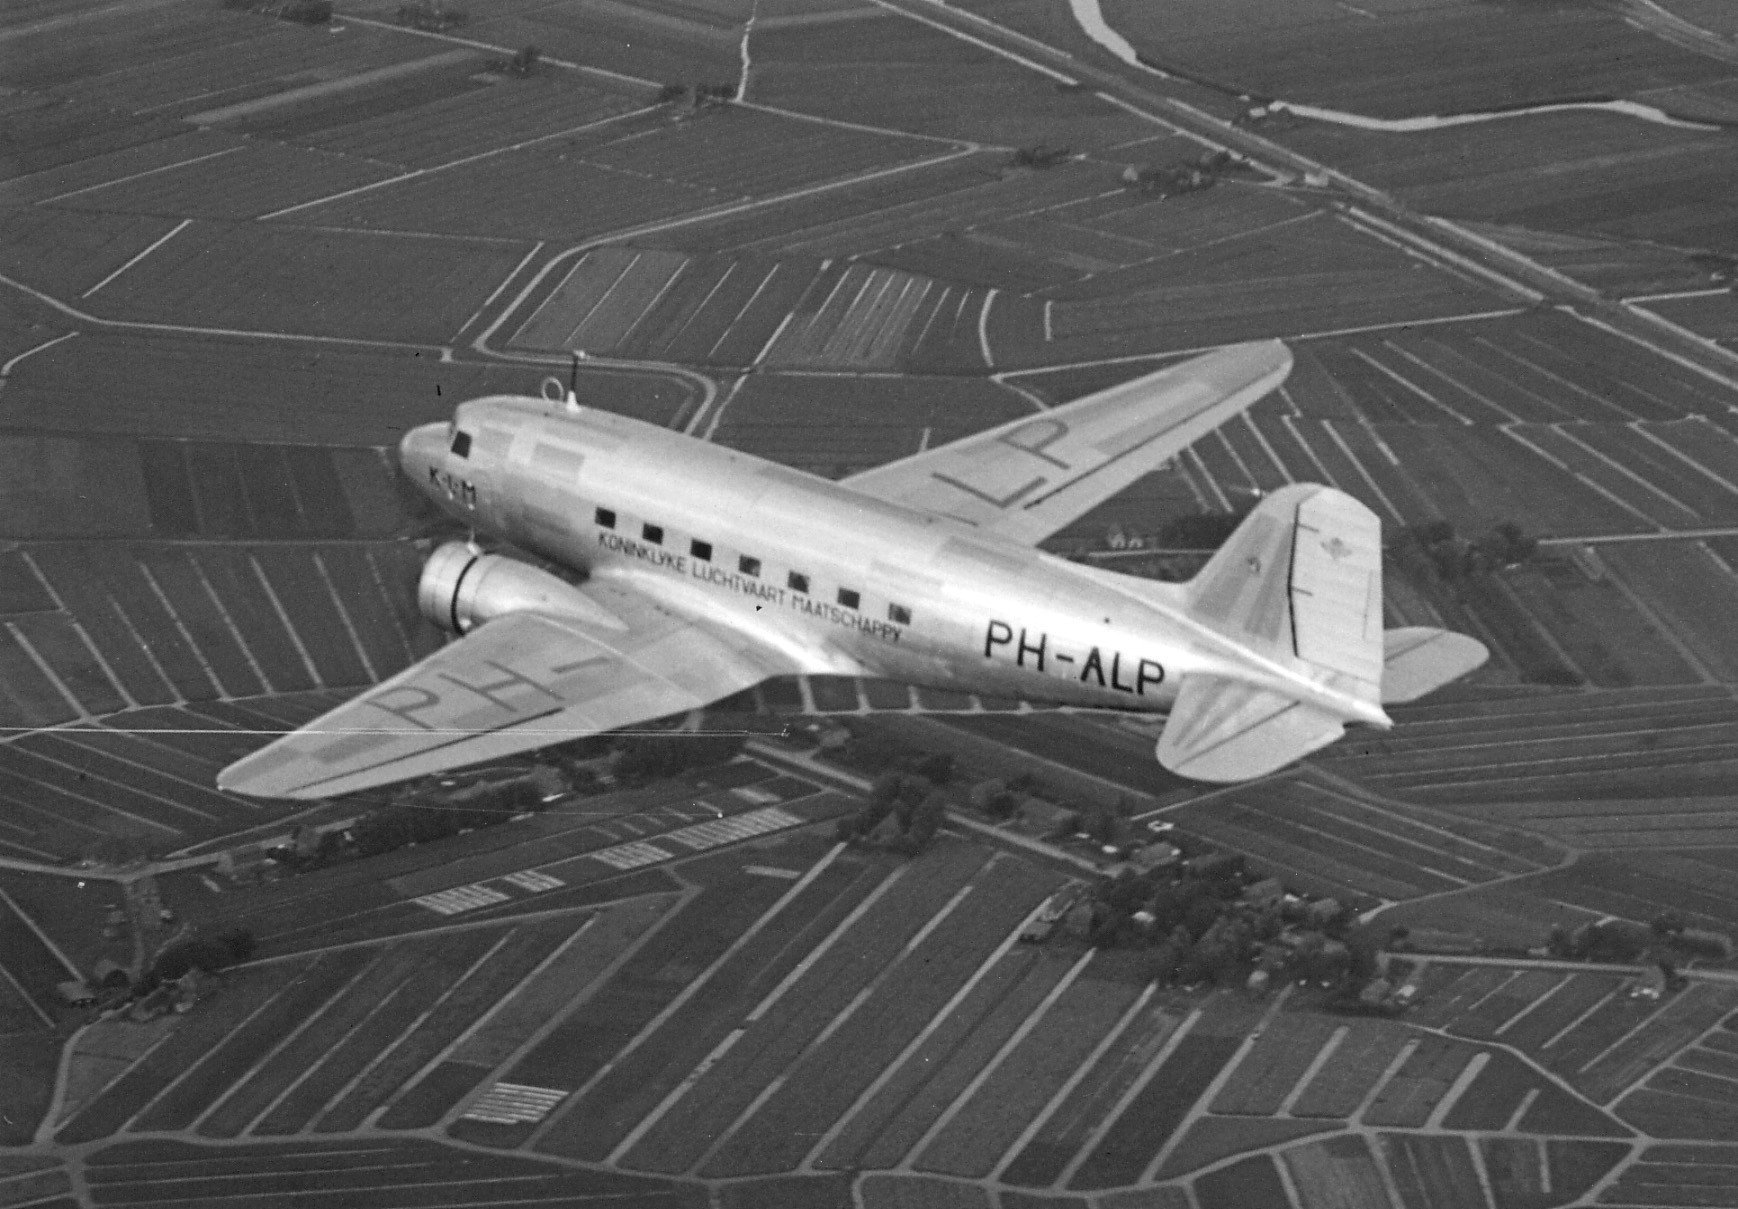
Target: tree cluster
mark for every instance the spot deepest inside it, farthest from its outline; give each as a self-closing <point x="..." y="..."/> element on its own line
<point x="207" y="954"/>
<point x="1196" y="926"/>
<point x="653" y="757"/>
<point x="1435" y="549"/>
<point x="1039" y="155"/>
<point x="903" y="812"/>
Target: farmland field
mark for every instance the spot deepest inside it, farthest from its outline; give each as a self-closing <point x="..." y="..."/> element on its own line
<point x="1375" y="63"/>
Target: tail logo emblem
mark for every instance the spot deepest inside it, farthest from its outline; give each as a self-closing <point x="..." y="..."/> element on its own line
<point x="1336" y="548"/>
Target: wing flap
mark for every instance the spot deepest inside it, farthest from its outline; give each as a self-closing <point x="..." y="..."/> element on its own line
<point x="515" y="684"/>
<point x="1225" y="730"/>
<point x="1026" y="479"/>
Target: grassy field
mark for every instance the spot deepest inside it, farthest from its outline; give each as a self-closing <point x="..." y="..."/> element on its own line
<point x="1582" y="173"/>
<point x="881" y="71"/>
<point x="1401" y="60"/>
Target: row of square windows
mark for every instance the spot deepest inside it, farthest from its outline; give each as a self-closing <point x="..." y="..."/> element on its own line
<point x="797" y="581"/>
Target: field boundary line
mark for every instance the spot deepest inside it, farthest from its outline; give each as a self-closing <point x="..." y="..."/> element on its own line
<point x="481" y="343"/>
<point x="1512" y="431"/>
<point x="1003" y="51"/>
<point x="839" y="1020"/>
<point x="1134" y="1089"/>
<point x="333" y="1101"/>
<point x="1707" y="371"/>
<point x="1621" y="582"/>
<point x="1567" y="431"/>
<point x="582" y="996"/>
<point x="236" y="1084"/>
<point x="194" y="1065"/>
<point x="1202" y="1105"/>
<point x="1323" y="1056"/>
<point x="1074" y="1080"/>
<point x="958" y="1104"/>
<point x="350" y="629"/>
<point x="259" y="575"/>
<point x="1459" y="1087"/>
<point x="1643" y="429"/>
<point x="53" y="678"/>
<point x="869" y="1093"/>
<point x="153" y="246"/>
<point x="688" y="992"/>
<point x="1407" y="1049"/>
<point x="6" y="369"/>
<point x="570" y="65"/>
<point x="470" y="1030"/>
<point x="499" y="289"/>
<point x="458" y="163"/>
<point x="133" y="176"/>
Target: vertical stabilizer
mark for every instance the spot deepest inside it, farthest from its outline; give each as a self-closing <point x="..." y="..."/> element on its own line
<point x="1300" y="582"/>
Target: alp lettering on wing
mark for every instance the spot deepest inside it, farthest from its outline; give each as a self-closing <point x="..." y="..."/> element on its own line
<point x="1001" y="640"/>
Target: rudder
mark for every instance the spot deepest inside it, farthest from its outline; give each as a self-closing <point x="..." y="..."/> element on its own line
<point x="1300" y="581"/>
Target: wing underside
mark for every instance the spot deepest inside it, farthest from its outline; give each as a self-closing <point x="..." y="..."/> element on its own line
<point x="1029" y="478"/>
<point x="513" y="685"/>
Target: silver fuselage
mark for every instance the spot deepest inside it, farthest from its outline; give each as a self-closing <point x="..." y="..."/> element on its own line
<point x="884" y="591"/>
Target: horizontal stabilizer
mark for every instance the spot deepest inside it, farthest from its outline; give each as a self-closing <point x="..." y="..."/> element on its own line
<point x="1226" y="730"/>
<point x="1418" y="659"/>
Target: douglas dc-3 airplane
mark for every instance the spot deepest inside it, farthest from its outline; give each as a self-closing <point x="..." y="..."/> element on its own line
<point x="695" y="572"/>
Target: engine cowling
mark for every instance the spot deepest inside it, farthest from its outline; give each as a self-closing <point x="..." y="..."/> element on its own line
<point x="460" y="589"/>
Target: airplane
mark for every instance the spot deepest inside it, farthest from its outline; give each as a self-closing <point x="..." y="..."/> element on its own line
<point x="678" y="573"/>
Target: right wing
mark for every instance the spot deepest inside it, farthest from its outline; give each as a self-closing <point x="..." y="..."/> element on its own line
<point x="1028" y="478"/>
<point x="512" y="685"/>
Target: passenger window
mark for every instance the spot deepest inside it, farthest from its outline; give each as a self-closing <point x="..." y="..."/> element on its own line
<point x="461" y="444"/>
<point x="748" y="566"/>
<point x="898" y="614"/>
<point x="798" y="581"/>
<point x="606" y="517"/>
<point x="849" y="598"/>
<point x="700" y="550"/>
<point x="653" y="534"/>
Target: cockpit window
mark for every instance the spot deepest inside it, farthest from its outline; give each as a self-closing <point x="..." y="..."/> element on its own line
<point x="461" y="444"/>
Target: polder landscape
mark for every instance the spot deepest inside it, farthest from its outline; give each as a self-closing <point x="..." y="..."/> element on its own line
<point x="869" y="947"/>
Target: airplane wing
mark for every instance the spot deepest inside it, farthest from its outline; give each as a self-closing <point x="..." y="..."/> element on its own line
<point x="1027" y="479"/>
<point x="514" y="684"/>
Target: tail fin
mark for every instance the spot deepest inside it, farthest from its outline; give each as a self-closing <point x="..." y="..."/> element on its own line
<point x="1301" y="582"/>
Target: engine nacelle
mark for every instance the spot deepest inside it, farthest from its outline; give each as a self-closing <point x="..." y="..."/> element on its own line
<point x="460" y="589"/>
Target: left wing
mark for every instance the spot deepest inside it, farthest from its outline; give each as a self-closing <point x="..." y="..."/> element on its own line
<point x="514" y="684"/>
<point x="1029" y="478"/>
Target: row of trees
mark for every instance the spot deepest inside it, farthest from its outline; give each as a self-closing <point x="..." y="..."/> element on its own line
<point x="652" y="757"/>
